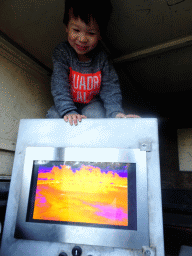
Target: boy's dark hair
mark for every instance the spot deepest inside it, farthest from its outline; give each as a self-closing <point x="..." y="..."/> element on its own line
<point x="100" y="10"/>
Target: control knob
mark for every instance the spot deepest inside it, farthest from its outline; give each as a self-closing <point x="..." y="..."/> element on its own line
<point x="77" y="251"/>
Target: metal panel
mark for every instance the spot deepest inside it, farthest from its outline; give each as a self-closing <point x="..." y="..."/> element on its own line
<point x="133" y="239"/>
<point x="97" y="133"/>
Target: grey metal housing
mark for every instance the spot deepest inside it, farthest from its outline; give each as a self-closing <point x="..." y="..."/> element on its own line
<point x="135" y="133"/>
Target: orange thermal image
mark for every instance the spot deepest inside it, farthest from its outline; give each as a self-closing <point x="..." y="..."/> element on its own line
<point x="85" y="194"/>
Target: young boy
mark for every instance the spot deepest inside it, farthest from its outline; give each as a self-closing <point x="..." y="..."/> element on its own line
<point x="84" y="84"/>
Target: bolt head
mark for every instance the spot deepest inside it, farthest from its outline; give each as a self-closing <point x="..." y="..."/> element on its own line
<point x="147" y="253"/>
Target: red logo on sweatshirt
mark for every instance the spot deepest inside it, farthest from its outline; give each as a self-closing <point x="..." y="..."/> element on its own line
<point x="84" y="86"/>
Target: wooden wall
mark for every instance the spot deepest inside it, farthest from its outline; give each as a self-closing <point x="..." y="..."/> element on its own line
<point x="24" y="93"/>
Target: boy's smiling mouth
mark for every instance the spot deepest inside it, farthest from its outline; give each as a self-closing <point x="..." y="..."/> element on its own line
<point x="81" y="48"/>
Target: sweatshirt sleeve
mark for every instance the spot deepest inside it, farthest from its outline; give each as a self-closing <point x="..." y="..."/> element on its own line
<point x="110" y="90"/>
<point x="60" y="87"/>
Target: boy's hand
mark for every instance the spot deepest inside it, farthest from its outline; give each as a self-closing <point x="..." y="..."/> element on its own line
<point x="121" y="115"/>
<point x="73" y="118"/>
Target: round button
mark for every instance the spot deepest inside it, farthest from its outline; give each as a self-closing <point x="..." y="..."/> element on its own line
<point x="77" y="251"/>
<point x="63" y="254"/>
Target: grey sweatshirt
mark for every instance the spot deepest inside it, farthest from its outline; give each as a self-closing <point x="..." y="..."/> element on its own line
<point x="75" y="81"/>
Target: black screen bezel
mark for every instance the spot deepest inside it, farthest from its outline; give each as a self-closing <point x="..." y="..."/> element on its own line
<point x="132" y="199"/>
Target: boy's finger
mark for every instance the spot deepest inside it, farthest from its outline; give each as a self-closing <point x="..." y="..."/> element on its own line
<point x="135" y="116"/>
<point x="70" y="118"/>
<point x="79" y="118"/>
<point x="82" y="116"/>
<point x="132" y="116"/>
<point x="65" y="118"/>
<point x="120" y="115"/>
<point x="75" y="118"/>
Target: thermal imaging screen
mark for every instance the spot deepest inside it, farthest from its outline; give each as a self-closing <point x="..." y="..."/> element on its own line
<point x="84" y="193"/>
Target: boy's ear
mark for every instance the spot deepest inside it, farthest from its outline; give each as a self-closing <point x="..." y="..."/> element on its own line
<point x="66" y="29"/>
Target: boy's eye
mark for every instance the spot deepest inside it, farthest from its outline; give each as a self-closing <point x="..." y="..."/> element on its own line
<point x="90" y="33"/>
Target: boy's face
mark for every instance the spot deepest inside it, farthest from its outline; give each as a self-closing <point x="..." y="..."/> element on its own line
<point x="82" y="37"/>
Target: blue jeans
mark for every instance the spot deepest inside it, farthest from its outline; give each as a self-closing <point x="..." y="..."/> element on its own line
<point x="94" y="109"/>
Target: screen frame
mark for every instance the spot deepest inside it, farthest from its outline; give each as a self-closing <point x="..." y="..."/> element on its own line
<point x="100" y="236"/>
